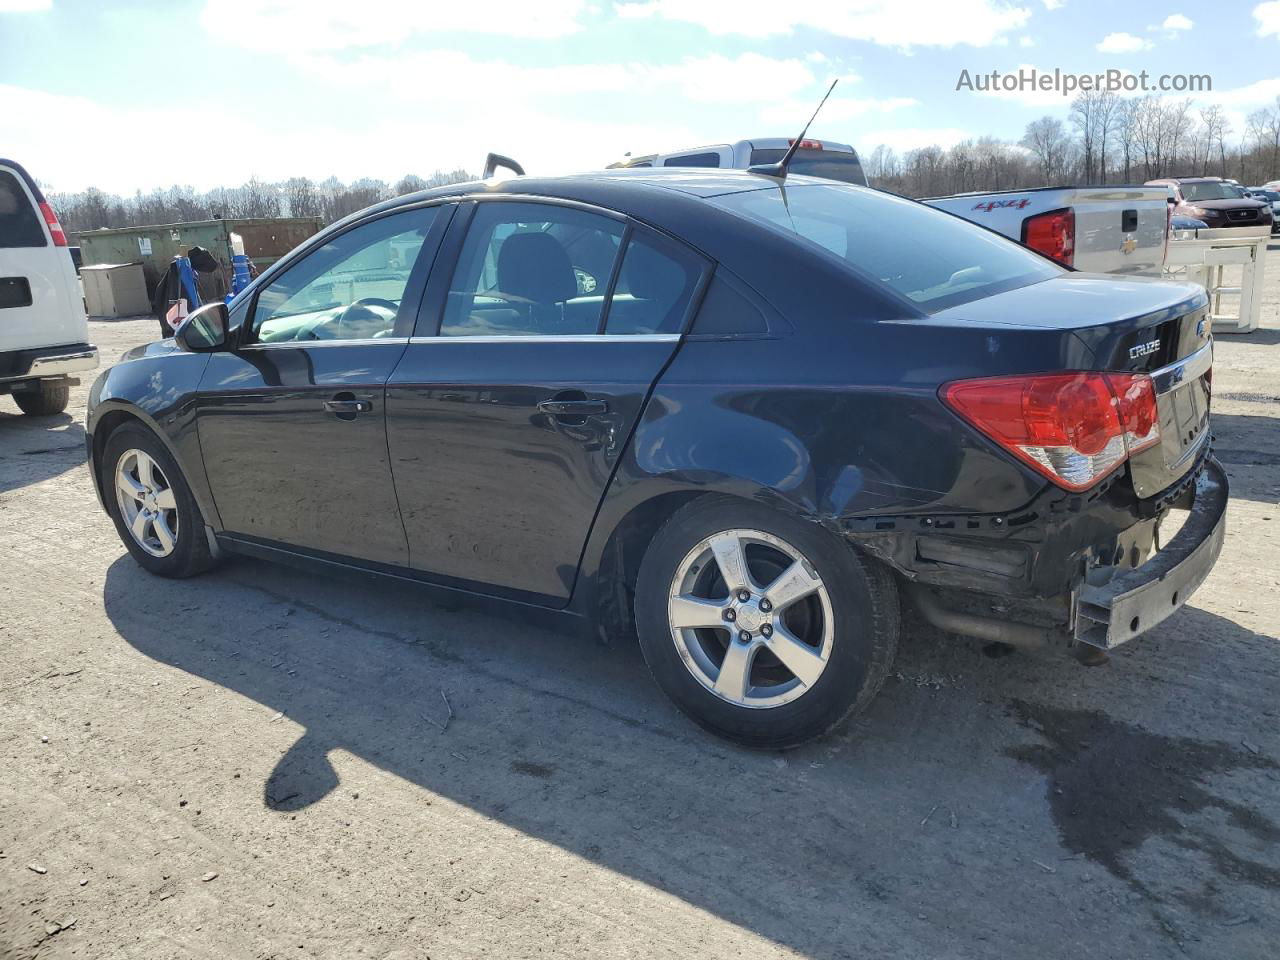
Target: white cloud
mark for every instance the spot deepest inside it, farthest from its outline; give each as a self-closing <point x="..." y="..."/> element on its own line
<point x="1053" y="4"/>
<point x="1123" y="43"/>
<point x="929" y="23"/>
<point x="786" y="117"/>
<point x="277" y="26"/>
<point x="1176" y="21"/>
<point x="544" y="143"/>
<point x="1268" y="17"/>
<point x="1255" y="94"/>
<point x="1026" y="42"/>
<point x="711" y="79"/>
<point x="25" y="6"/>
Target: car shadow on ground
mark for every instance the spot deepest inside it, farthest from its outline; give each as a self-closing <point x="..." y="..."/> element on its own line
<point x="1263" y="336"/>
<point x="1249" y="448"/>
<point x="33" y="449"/>
<point x="967" y="766"/>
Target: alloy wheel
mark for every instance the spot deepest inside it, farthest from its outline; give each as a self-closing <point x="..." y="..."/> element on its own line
<point x="147" y="503"/>
<point x="751" y="618"/>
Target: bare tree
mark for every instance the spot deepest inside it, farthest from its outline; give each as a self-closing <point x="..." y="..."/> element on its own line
<point x="301" y="197"/>
<point x="1048" y="142"/>
<point x="1214" y="123"/>
<point x="409" y="183"/>
<point x="1084" y="116"/>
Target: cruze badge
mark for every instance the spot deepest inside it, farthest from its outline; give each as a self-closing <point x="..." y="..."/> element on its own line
<point x="1143" y="349"/>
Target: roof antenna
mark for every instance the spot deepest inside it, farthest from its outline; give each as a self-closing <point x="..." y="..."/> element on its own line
<point x="779" y="169"/>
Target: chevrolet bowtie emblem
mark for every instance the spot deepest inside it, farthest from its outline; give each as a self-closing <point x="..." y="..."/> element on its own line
<point x="1130" y="243"/>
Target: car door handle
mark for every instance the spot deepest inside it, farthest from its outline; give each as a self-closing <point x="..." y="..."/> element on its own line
<point x="573" y="408"/>
<point x="350" y="407"/>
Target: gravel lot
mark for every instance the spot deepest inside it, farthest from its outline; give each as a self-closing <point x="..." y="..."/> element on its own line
<point x="244" y="765"/>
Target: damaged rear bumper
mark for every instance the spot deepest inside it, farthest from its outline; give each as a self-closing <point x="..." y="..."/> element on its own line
<point x="1134" y="600"/>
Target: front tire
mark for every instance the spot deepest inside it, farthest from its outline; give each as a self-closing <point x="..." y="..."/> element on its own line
<point x="51" y="398"/>
<point x="762" y="628"/>
<point x="151" y="504"/>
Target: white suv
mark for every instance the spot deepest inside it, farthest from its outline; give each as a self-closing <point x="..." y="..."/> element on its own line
<point x="44" y="333"/>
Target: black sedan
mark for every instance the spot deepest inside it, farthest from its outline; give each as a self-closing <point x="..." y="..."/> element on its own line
<point x="742" y="418"/>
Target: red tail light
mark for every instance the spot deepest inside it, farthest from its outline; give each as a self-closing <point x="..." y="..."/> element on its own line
<point x="55" y="228"/>
<point x="1074" y="428"/>
<point x="807" y="144"/>
<point x="1053" y="234"/>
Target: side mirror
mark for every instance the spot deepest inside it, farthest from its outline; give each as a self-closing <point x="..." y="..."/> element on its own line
<point x="205" y="330"/>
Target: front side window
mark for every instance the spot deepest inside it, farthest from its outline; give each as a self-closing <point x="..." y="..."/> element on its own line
<point x="931" y="258"/>
<point x="532" y="269"/>
<point x="350" y="288"/>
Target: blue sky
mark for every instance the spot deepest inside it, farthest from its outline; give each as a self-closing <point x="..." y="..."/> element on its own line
<point x="124" y="94"/>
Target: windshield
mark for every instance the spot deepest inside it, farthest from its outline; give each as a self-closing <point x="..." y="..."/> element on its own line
<point x="932" y="258"/>
<point x="1209" y="190"/>
<point x="828" y="164"/>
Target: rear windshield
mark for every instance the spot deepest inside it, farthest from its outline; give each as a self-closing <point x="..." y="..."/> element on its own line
<point x="932" y="258"/>
<point x="827" y="164"/>
<point x="19" y="223"/>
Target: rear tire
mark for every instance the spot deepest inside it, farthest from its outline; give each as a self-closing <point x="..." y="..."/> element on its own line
<point x="52" y="397"/>
<point x="151" y="504"/>
<point x="805" y="640"/>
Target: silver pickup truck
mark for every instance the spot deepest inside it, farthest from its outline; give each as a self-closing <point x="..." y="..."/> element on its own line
<point x="1121" y="229"/>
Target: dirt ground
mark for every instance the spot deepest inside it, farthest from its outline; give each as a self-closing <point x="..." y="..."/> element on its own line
<point x="245" y="765"/>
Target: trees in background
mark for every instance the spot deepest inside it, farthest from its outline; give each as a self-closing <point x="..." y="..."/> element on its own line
<point x="1105" y="139"/>
<point x="296" y="197"/>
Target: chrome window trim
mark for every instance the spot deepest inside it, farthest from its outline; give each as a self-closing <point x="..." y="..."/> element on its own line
<point x="540" y="198"/>
<point x="556" y="338"/>
<point x="1169" y="378"/>
<point x="366" y="341"/>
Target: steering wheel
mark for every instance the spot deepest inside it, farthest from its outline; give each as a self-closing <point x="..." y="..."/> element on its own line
<point x="362" y="308"/>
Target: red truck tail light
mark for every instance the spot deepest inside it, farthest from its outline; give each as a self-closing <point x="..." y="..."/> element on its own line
<point x="55" y="228"/>
<point x="807" y="144"/>
<point x="1073" y="428"/>
<point x="1053" y="234"/>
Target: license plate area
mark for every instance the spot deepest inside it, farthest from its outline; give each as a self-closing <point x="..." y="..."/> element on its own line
<point x="1184" y="417"/>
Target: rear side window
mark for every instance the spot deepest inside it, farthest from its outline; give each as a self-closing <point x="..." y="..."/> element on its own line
<point x="726" y="310"/>
<point x="655" y="286"/>
<point x="532" y="269"/>
<point x="20" y="224"/>
<point x="931" y="258"/>
<point x="710" y="159"/>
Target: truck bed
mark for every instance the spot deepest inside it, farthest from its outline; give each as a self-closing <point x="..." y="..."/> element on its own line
<point x="1118" y="229"/>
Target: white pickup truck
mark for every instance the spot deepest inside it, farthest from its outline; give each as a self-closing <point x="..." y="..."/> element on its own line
<point x="1121" y="229"/>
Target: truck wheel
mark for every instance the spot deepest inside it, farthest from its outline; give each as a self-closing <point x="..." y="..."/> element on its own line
<point x="51" y="398"/>
<point x="152" y="506"/>
<point x="762" y="628"/>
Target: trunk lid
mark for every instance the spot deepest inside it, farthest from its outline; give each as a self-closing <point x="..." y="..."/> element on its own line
<point x="1133" y="325"/>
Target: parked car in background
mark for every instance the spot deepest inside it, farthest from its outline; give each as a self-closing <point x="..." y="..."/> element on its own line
<point x="1214" y="201"/>
<point x="814" y="158"/>
<point x="732" y="416"/>
<point x="44" y="332"/>
<point x="1119" y="230"/>
<point x="1271" y="196"/>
